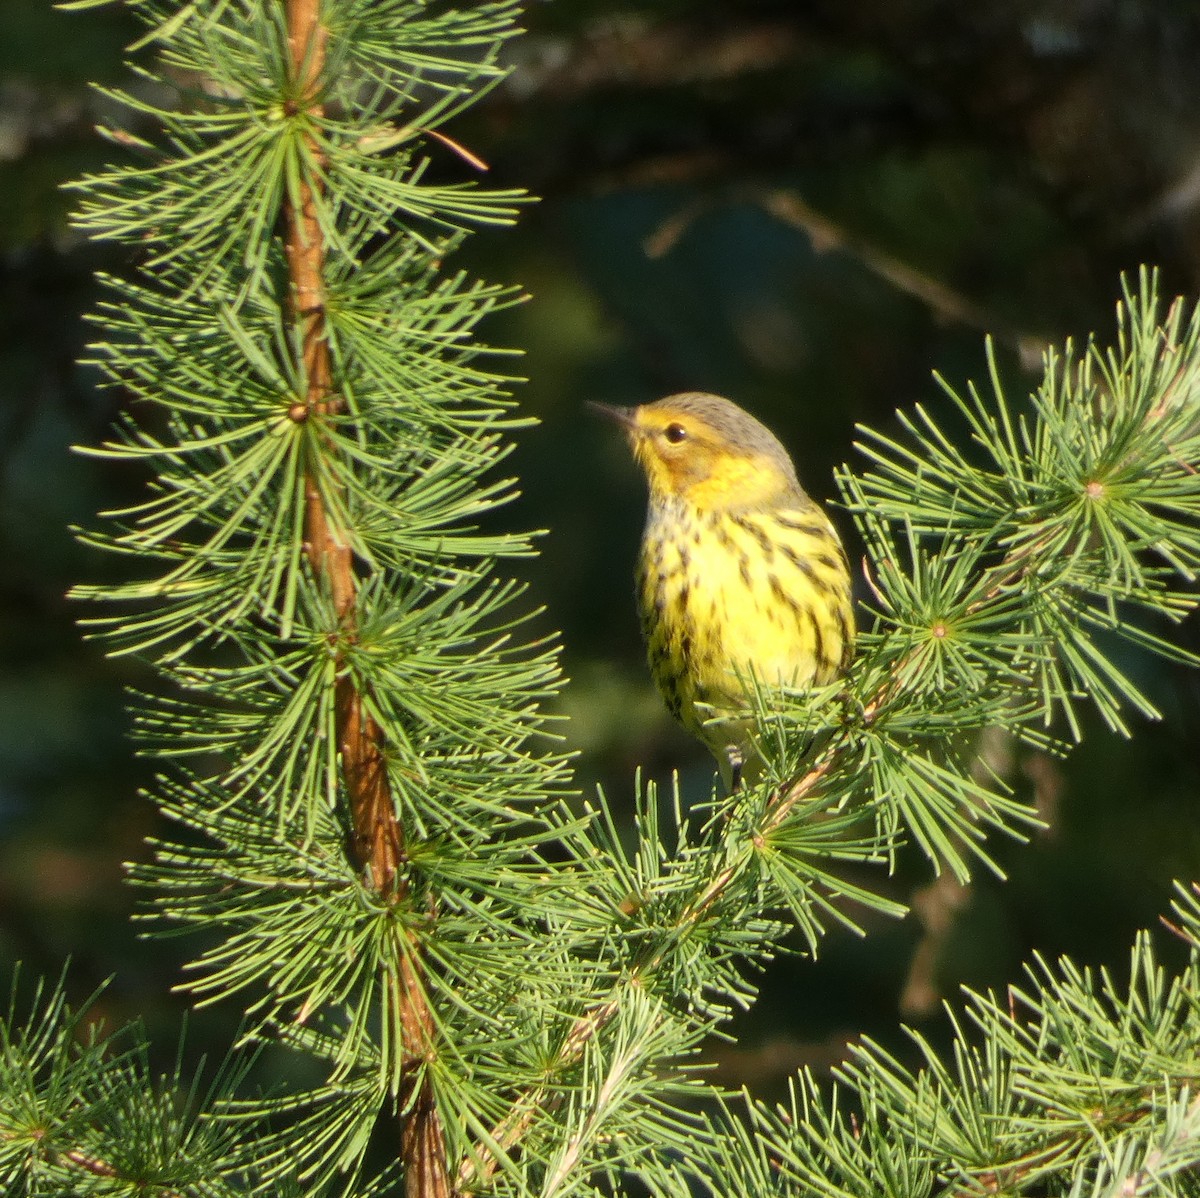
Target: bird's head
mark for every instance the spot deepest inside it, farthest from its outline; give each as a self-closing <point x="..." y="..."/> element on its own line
<point x="706" y="451"/>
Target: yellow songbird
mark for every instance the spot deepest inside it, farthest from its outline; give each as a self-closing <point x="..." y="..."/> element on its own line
<point x="740" y="573"/>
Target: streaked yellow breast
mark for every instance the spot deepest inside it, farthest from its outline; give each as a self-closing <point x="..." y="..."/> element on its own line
<point x="763" y="593"/>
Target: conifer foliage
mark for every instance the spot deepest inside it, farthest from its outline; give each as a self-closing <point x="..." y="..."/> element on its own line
<point x="499" y="991"/>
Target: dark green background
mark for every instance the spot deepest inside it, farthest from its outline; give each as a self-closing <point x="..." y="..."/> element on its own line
<point x="1009" y="159"/>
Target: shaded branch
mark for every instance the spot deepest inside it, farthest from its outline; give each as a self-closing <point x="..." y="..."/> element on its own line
<point x="827" y="236"/>
<point x="93" y="1166"/>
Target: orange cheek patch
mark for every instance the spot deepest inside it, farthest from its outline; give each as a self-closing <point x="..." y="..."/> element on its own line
<point x="691" y="470"/>
<point x="738" y="480"/>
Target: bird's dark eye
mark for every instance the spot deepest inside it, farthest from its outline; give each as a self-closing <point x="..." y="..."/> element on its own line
<point x="675" y="433"/>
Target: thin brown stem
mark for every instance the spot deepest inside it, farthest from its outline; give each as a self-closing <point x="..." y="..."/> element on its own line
<point x="88" y="1163"/>
<point x="92" y="1164"/>
<point x="475" y="1172"/>
<point x="378" y="837"/>
<point x="1009" y="1177"/>
<point x="826" y="235"/>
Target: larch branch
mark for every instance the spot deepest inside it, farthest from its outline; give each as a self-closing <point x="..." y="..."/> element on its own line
<point x="378" y="837"/>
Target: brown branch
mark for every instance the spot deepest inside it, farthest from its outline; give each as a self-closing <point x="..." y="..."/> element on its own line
<point x="1008" y="1178"/>
<point x="378" y="838"/>
<point x="633" y="51"/>
<point x="94" y="1165"/>
<point x="826" y="236"/>
<point x="475" y="1172"/>
<point x="84" y="1161"/>
<point x="98" y="1167"/>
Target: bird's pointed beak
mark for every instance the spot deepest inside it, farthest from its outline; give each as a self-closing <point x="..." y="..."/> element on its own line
<point x="625" y="417"/>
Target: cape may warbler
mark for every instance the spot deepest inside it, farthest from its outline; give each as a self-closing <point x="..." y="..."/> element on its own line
<point x="740" y="574"/>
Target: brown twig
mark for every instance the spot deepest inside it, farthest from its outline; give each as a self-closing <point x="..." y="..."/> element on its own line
<point x="95" y="1166"/>
<point x="826" y="235"/>
<point x="644" y="51"/>
<point x="1008" y="1178"/>
<point x="86" y="1162"/>
<point x="378" y="838"/>
<point x="474" y="1172"/>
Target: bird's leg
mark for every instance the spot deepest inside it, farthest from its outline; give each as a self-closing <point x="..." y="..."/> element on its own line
<point x="735" y="759"/>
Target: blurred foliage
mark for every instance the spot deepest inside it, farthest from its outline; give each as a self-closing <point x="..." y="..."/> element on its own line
<point x="806" y="207"/>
